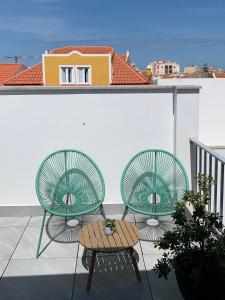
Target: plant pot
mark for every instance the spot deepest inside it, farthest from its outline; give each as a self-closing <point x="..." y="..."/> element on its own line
<point x="108" y="230"/>
<point x="202" y="290"/>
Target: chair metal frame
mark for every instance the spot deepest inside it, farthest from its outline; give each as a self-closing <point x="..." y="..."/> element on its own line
<point x="65" y="176"/>
<point x="136" y="179"/>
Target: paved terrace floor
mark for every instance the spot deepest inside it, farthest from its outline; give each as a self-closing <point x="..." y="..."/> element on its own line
<point x="60" y="272"/>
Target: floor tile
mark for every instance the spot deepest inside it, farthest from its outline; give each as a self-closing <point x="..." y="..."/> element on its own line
<point x="36" y="221"/>
<point x="13" y="221"/>
<point x="148" y="248"/>
<point x="161" y="289"/>
<point x="57" y="241"/>
<point x="50" y="279"/>
<point x="9" y="238"/>
<point x="114" y="278"/>
<point x="3" y="264"/>
<point x="92" y="218"/>
<point x="129" y="217"/>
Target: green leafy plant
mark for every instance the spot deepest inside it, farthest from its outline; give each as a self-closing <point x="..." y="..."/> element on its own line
<point x="111" y="223"/>
<point x="197" y="242"/>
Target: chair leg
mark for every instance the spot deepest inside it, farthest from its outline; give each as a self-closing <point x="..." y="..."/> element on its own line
<point x="102" y="212"/>
<point x="124" y="213"/>
<point x="41" y="232"/>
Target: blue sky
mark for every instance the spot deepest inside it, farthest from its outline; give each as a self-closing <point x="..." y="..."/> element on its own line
<point x="189" y="32"/>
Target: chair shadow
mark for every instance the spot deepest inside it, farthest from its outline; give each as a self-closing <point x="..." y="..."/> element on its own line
<point x="153" y="233"/>
<point x="59" y="231"/>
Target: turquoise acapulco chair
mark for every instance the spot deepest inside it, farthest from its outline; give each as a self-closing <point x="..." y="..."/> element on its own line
<point x="152" y="183"/>
<point x="69" y="184"/>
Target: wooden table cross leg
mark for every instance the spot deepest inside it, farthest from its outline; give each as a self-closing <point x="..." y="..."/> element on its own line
<point x="134" y="262"/>
<point x="91" y="270"/>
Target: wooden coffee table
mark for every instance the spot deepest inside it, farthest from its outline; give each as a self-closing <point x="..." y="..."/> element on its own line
<point x="92" y="237"/>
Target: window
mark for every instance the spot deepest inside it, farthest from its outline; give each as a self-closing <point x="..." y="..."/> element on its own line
<point x="83" y="75"/>
<point x="75" y="75"/>
<point x="66" y="75"/>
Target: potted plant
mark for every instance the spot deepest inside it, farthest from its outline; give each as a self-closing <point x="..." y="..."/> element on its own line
<point x="110" y="226"/>
<point x="195" y="248"/>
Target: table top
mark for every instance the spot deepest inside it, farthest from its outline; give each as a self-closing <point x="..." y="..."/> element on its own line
<point x="92" y="236"/>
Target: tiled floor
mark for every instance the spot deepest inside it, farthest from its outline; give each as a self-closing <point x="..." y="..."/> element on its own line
<point x="61" y="273"/>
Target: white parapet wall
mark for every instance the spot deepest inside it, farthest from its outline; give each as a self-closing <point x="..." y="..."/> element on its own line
<point x="211" y="108"/>
<point x="109" y="124"/>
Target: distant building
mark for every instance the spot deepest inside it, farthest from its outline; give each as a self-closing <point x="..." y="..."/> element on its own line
<point x="200" y="74"/>
<point x="81" y="66"/>
<point x="163" y="67"/>
<point x="190" y="69"/>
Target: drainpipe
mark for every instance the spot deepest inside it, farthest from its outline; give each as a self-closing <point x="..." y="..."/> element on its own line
<point x="174" y="120"/>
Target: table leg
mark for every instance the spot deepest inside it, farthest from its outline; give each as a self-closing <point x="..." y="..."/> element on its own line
<point x="91" y="269"/>
<point x="134" y="262"/>
<point x="84" y="252"/>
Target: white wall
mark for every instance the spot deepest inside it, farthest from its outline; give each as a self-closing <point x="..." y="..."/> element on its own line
<point x="211" y="107"/>
<point x="110" y="128"/>
<point x="186" y="126"/>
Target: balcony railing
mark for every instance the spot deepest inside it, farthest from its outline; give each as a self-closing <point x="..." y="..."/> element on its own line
<point x="204" y="160"/>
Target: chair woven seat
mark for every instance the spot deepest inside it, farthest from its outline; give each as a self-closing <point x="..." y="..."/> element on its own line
<point x="153" y="182"/>
<point x="69" y="184"/>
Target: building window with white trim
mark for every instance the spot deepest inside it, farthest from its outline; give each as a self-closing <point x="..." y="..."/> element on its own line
<point x="67" y="76"/>
<point x="83" y="75"/>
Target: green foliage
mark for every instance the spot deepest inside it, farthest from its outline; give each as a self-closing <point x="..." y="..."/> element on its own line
<point x="197" y="242"/>
<point x="111" y="223"/>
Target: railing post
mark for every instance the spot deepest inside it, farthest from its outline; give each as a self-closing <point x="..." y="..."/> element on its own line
<point x="193" y="151"/>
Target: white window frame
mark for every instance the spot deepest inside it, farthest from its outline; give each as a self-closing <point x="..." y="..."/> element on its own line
<point x="75" y="75"/>
<point x="60" y="74"/>
<point x="89" y="74"/>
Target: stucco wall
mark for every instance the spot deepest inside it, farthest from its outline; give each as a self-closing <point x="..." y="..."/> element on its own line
<point x="211" y="107"/>
<point x="100" y="72"/>
<point x="109" y="126"/>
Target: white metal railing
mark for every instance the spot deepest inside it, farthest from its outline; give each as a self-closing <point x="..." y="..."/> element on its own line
<point x="205" y="160"/>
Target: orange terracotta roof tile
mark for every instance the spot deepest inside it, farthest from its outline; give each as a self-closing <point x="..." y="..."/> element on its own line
<point x="125" y="74"/>
<point x="84" y="50"/>
<point x="123" y="56"/>
<point x="222" y="75"/>
<point x="31" y="76"/>
<point x="8" y="70"/>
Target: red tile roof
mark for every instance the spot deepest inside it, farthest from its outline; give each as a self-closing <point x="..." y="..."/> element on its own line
<point x="84" y="50"/>
<point x="31" y="76"/>
<point x="123" y="56"/>
<point x="222" y="75"/>
<point x="7" y="70"/>
<point x="125" y="74"/>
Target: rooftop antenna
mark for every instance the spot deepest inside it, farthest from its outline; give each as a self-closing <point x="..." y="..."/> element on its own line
<point x="15" y="57"/>
<point x="18" y="57"/>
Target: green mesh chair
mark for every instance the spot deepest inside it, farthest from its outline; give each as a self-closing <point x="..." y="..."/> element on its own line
<point x="69" y="184"/>
<point x="152" y="183"/>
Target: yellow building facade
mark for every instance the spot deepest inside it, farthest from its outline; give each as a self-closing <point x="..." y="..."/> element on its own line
<point x="76" y="68"/>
